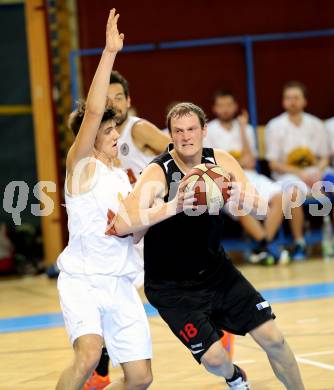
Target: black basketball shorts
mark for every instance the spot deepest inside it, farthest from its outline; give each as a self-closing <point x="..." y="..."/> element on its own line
<point x="198" y="316"/>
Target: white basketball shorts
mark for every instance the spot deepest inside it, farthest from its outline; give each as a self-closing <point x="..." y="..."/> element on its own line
<point x="266" y="187"/>
<point x="107" y="306"/>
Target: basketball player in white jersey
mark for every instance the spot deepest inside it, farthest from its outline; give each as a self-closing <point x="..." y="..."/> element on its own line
<point x="139" y="142"/>
<point x="97" y="296"/>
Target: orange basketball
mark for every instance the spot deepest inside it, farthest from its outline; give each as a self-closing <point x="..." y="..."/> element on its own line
<point x="210" y="183"/>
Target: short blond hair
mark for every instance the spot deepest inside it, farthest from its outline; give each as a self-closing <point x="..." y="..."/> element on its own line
<point x="185" y="109"/>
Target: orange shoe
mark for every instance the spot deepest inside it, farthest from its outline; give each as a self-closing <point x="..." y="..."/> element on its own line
<point x="228" y="342"/>
<point x="97" y="382"/>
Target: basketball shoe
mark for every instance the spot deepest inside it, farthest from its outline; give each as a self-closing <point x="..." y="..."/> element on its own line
<point x="240" y="383"/>
<point x="97" y="382"/>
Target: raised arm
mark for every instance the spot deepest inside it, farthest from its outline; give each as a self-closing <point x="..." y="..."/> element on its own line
<point x="97" y="96"/>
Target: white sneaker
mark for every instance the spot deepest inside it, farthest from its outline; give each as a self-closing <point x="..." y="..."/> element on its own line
<point x="263" y="258"/>
<point x="239" y="383"/>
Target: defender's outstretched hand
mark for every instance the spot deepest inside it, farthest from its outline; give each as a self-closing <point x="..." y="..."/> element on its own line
<point x="114" y="40"/>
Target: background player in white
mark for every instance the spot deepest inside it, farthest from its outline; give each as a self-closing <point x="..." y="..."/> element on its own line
<point x="233" y="134"/>
<point x="140" y="141"/>
<point x="297" y="149"/>
<point x="97" y="296"/>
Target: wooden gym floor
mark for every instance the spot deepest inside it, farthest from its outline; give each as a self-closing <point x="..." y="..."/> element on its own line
<point x="34" y="347"/>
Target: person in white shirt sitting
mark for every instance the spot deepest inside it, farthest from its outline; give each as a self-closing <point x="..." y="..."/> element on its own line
<point x="233" y="134"/>
<point x="297" y="148"/>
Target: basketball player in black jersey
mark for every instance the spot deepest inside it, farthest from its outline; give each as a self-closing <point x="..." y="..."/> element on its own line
<point x="188" y="277"/>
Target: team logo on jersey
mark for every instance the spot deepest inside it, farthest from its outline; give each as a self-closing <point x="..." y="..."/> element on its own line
<point x="124" y="149"/>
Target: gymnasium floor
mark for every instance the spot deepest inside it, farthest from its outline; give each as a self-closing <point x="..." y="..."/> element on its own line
<point x="34" y="347"/>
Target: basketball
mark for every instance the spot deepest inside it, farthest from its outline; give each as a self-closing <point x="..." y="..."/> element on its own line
<point x="210" y="184"/>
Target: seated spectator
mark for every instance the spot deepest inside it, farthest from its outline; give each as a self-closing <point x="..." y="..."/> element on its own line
<point x="233" y="134"/>
<point x="298" y="153"/>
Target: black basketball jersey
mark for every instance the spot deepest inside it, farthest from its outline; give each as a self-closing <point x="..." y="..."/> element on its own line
<point x="182" y="248"/>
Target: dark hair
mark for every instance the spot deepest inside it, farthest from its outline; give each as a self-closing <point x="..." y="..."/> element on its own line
<point x="117" y="78"/>
<point x="295" y="84"/>
<point x="183" y="109"/>
<point x="223" y="93"/>
<point x="76" y="117"/>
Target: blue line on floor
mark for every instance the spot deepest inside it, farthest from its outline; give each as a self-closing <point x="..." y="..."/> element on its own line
<point x="286" y="294"/>
<point x="299" y="293"/>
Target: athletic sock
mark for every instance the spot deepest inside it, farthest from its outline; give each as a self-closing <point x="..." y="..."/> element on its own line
<point x="262" y="245"/>
<point x="103" y="366"/>
<point x="237" y="373"/>
<point x="300" y="242"/>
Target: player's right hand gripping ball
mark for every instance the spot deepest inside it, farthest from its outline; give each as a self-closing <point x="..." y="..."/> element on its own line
<point x="211" y="185"/>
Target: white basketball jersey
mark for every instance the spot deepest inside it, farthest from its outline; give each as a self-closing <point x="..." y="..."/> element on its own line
<point x="90" y="251"/>
<point x="230" y="140"/>
<point x="283" y="137"/>
<point x="130" y="156"/>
